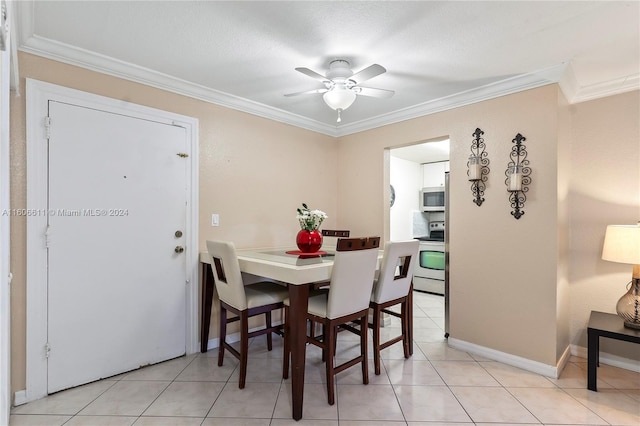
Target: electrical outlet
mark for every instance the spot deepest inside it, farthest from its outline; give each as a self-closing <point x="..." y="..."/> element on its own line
<point x="215" y="219"/>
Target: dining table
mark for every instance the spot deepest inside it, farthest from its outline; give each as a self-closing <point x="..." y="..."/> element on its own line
<point x="299" y="273"/>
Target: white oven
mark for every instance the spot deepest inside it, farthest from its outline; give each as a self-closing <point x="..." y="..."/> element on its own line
<point x="429" y="269"/>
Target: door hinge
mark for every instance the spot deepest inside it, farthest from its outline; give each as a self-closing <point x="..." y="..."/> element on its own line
<point x="47" y="127"/>
<point x="47" y="350"/>
<point x="47" y="236"/>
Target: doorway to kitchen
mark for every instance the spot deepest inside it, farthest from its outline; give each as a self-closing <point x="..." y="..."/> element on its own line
<point x="418" y="175"/>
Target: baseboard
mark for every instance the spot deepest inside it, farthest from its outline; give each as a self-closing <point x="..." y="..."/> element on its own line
<point x="608" y="359"/>
<point x="19" y="398"/>
<point x="564" y="359"/>
<point x="552" y="371"/>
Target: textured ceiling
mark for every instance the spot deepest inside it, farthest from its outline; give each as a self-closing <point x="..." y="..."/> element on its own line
<point x="438" y="55"/>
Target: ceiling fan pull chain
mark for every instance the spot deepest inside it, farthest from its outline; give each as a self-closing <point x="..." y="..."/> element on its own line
<point x="339" y="117"/>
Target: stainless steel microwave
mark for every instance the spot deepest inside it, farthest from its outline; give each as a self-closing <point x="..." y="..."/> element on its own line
<point x="432" y="199"/>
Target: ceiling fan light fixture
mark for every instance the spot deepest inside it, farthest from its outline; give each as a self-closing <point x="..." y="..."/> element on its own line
<point x="339" y="98"/>
<point x="342" y="85"/>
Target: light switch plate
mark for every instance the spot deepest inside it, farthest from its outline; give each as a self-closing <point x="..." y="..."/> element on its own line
<point x="215" y="219"/>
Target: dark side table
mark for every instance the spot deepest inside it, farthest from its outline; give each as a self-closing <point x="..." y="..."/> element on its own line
<point x="602" y="324"/>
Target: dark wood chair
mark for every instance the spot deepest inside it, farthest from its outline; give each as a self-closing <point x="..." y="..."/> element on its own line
<point x="391" y="288"/>
<point x="243" y="301"/>
<point x="330" y="237"/>
<point x="346" y="301"/>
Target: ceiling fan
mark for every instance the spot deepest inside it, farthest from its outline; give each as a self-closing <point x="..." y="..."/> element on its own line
<point x="342" y="85"/>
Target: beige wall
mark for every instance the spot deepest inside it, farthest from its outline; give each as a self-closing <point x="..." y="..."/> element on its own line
<point x="511" y="280"/>
<point x="502" y="271"/>
<point x="563" y="294"/>
<point x="536" y="279"/>
<point x="604" y="189"/>
<point x="254" y="172"/>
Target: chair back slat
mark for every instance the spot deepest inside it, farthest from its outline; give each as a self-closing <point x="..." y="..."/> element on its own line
<point x="226" y="273"/>
<point x="330" y="237"/>
<point x="396" y="271"/>
<point x="404" y="267"/>
<point x="364" y="243"/>
<point x="341" y="233"/>
<point x="220" y="275"/>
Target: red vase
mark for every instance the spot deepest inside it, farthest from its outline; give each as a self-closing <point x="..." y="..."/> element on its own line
<point x="309" y="241"/>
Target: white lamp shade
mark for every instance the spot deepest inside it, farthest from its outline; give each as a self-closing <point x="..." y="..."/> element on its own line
<point x="339" y="98"/>
<point x="622" y="244"/>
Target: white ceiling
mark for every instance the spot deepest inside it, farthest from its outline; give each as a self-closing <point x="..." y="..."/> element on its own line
<point x="438" y="54"/>
<point x="427" y="152"/>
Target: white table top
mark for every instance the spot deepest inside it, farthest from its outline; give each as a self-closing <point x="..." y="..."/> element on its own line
<point x="274" y="263"/>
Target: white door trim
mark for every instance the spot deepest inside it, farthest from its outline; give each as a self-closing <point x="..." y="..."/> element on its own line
<point x="5" y="243"/>
<point x="38" y="94"/>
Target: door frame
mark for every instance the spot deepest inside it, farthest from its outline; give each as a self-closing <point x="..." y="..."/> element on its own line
<point x="7" y="59"/>
<point x="38" y="95"/>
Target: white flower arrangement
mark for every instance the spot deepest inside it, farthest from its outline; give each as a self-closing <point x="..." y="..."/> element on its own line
<point x="310" y="220"/>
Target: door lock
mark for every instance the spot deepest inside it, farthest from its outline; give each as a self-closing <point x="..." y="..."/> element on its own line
<point x="178" y="234"/>
<point x="179" y="249"/>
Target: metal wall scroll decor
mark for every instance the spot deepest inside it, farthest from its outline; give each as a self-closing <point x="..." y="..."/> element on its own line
<point x="518" y="176"/>
<point x="478" y="167"/>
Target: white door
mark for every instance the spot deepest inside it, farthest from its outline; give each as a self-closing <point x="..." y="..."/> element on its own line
<point x="117" y="206"/>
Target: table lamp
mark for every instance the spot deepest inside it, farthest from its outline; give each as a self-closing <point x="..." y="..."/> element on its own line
<point x="622" y="244"/>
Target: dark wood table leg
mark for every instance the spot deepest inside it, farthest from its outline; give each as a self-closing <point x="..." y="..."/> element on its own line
<point x="410" y="315"/>
<point x="593" y="350"/>
<point x="205" y="306"/>
<point x="299" y="303"/>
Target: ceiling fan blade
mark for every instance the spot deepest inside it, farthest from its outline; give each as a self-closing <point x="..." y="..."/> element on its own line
<point x="375" y="93"/>
<point x="308" y="92"/>
<point x="312" y="74"/>
<point x="367" y="73"/>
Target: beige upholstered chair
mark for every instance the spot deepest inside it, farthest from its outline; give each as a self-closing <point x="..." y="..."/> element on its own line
<point x="330" y="239"/>
<point x="244" y="301"/>
<point x="392" y="288"/>
<point x="346" y="301"/>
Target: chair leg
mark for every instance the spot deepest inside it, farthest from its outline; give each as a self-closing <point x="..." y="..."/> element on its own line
<point x="267" y="320"/>
<point x="324" y="339"/>
<point x="286" y="349"/>
<point x="329" y="340"/>
<point x="410" y="319"/>
<point x="404" y="312"/>
<point x="312" y="328"/>
<point x="244" y="347"/>
<point x="223" y="334"/>
<point x="376" y="338"/>
<point x="363" y="348"/>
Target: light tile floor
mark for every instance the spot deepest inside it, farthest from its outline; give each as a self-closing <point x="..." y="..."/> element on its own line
<point x="438" y="385"/>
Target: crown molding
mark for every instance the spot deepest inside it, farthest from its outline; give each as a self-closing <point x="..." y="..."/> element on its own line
<point x="576" y="93"/>
<point x="106" y="65"/>
<point x="490" y="91"/>
<point x="607" y="88"/>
